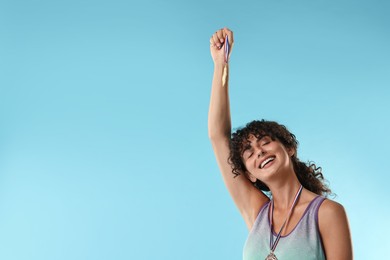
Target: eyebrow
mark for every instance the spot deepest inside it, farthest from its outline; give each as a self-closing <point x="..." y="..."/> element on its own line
<point x="264" y="136"/>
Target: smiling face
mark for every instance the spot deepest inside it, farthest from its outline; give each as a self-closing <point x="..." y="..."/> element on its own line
<point x="265" y="158"/>
<point x="249" y="137"/>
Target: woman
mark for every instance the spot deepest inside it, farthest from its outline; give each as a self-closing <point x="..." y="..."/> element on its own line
<point x="298" y="222"/>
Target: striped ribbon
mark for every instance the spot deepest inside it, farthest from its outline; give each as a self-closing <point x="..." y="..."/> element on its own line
<point x="271" y="243"/>
<point x="226" y="49"/>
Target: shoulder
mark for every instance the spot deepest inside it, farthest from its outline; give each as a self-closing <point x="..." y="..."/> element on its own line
<point x="334" y="230"/>
<point x="331" y="214"/>
<point x="330" y="211"/>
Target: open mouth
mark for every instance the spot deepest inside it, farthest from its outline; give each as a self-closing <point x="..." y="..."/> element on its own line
<point x="267" y="161"/>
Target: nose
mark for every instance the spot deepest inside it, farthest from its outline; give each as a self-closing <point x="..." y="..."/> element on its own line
<point x="260" y="153"/>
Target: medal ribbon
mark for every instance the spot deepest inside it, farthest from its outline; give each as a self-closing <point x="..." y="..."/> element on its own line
<point x="226" y="49"/>
<point x="274" y="244"/>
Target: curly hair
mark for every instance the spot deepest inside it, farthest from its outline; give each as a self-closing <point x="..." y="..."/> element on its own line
<point x="309" y="175"/>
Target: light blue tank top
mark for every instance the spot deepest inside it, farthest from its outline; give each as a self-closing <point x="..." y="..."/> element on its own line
<point x="303" y="242"/>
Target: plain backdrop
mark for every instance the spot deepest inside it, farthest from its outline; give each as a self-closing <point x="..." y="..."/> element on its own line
<point x="104" y="152"/>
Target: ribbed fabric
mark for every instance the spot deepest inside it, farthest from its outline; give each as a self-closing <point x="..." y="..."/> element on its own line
<point x="303" y="242"/>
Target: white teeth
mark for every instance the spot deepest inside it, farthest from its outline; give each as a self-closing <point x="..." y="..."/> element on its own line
<point x="266" y="161"/>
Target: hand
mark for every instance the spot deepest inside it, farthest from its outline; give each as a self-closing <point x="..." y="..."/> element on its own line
<point x="217" y="42"/>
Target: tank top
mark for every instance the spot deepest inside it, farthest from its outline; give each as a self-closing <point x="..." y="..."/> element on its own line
<point x="303" y="242"/>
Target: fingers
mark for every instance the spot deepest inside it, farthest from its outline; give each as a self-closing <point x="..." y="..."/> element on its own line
<point x="218" y="38"/>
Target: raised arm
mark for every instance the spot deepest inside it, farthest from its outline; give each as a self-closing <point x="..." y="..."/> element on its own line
<point x="247" y="198"/>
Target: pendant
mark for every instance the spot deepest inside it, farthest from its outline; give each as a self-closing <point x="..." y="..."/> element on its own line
<point x="271" y="256"/>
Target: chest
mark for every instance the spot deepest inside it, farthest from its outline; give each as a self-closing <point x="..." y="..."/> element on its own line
<point x="301" y="239"/>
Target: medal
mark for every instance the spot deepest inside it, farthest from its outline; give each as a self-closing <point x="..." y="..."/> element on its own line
<point x="271" y="256"/>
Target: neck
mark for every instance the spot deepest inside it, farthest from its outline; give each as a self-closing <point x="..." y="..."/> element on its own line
<point x="283" y="192"/>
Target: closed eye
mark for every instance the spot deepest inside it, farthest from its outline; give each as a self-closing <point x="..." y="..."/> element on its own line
<point x="247" y="154"/>
<point x="265" y="140"/>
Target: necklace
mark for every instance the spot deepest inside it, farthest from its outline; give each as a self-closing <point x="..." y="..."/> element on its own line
<point x="271" y="255"/>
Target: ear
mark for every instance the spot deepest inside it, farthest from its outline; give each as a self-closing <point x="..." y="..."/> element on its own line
<point x="251" y="177"/>
<point x="291" y="151"/>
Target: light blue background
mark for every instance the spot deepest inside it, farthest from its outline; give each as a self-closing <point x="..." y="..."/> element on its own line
<point x="104" y="151"/>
